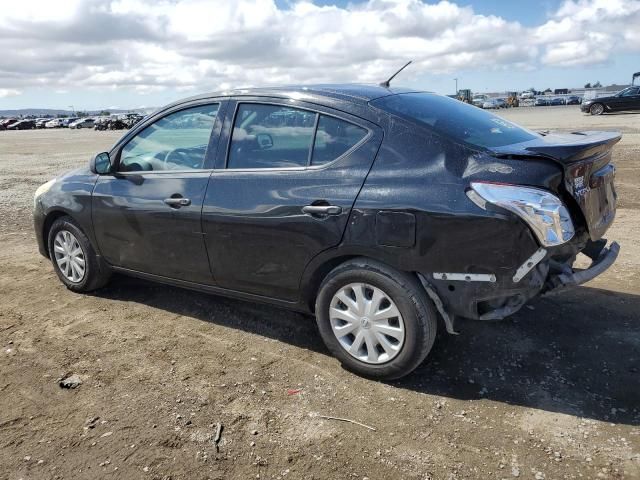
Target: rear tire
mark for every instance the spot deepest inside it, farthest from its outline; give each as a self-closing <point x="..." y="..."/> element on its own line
<point x="74" y="259"/>
<point x="372" y="345"/>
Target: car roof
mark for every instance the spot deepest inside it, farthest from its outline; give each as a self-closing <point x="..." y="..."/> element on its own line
<point x="353" y="93"/>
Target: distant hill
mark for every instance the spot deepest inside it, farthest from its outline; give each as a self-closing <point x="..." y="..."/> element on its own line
<point x="49" y="112"/>
<point x="32" y="111"/>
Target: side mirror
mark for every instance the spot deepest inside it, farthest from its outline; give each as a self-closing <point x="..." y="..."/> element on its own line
<point x="100" y="164"/>
<point x="265" y="141"/>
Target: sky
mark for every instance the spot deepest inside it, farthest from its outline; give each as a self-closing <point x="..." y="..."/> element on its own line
<point x="93" y="54"/>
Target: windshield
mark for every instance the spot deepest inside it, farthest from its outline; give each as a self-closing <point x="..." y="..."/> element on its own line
<point x="455" y="119"/>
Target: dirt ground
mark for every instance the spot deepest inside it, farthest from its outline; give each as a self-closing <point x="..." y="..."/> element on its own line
<point x="551" y="393"/>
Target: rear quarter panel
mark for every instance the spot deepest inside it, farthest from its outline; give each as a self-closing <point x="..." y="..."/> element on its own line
<point x="424" y="175"/>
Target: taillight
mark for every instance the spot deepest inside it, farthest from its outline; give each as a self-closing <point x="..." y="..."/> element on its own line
<point x="545" y="213"/>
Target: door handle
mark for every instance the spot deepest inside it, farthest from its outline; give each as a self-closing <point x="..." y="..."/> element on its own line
<point x="177" y="202"/>
<point x="322" y="210"/>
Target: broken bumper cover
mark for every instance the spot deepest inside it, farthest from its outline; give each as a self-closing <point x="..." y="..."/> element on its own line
<point x="570" y="277"/>
<point x="503" y="295"/>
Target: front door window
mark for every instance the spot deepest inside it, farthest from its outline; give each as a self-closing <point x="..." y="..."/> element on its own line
<point x="178" y="142"/>
<point x="630" y="92"/>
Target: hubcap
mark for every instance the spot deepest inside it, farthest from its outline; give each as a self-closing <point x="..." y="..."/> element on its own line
<point x="367" y="323"/>
<point x="597" y="109"/>
<point x="69" y="256"/>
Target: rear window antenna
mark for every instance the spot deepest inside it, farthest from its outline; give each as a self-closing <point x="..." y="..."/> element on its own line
<point x="387" y="83"/>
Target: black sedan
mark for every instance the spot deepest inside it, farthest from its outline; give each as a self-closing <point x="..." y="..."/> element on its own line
<point x="22" y="125"/>
<point x="627" y="99"/>
<point x="379" y="210"/>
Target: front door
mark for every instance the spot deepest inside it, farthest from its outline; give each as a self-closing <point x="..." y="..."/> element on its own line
<point x="628" y="99"/>
<point x="283" y="193"/>
<point x="147" y="214"/>
<point x="635" y="104"/>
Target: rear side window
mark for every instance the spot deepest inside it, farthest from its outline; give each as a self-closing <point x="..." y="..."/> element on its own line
<point x="270" y="136"/>
<point x="273" y="136"/>
<point x="457" y="120"/>
<point x="334" y="138"/>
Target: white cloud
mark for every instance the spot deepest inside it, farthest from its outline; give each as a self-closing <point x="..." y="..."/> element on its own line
<point x="593" y="48"/>
<point x="9" y="92"/>
<point x="589" y="31"/>
<point x="150" y="45"/>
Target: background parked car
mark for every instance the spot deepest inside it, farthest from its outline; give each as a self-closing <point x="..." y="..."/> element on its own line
<point x="573" y="100"/>
<point x="478" y="100"/>
<point x="132" y="119"/>
<point x="68" y="121"/>
<point x="82" y="123"/>
<point x="6" y="122"/>
<point x="100" y="123"/>
<point x="111" y="123"/>
<point x="55" y="123"/>
<point x="627" y="99"/>
<point x="495" y="103"/>
<point x="557" y="101"/>
<point x="490" y="103"/>
<point x="22" y="125"/>
<point x="40" y="122"/>
<point x="541" y="102"/>
<point x="118" y="124"/>
<point x="502" y="103"/>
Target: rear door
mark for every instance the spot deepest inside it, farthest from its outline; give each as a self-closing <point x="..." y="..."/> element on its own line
<point x="282" y="191"/>
<point x="146" y="215"/>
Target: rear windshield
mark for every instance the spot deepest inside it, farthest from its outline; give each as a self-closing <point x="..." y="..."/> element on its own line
<point x="455" y="119"/>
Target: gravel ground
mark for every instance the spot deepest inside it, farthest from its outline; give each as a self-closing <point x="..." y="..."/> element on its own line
<point x="550" y="393"/>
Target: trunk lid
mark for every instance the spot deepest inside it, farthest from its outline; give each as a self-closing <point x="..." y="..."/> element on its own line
<point x="588" y="173"/>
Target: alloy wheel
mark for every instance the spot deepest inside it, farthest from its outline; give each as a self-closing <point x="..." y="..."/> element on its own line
<point x="367" y="323"/>
<point x="69" y="256"/>
<point x="596" y="109"/>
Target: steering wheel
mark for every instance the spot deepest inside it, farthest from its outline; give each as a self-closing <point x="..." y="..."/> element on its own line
<point x="177" y="159"/>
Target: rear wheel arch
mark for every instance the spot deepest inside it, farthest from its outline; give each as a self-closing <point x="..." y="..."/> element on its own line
<point x="314" y="278"/>
<point x="370" y="262"/>
<point x="311" y="286"/>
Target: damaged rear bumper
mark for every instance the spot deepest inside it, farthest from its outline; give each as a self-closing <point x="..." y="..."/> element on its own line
<point x="570" y="277"/>
<point x="494" y="297"/>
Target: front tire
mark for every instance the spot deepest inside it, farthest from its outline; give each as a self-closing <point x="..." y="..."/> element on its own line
<point x="596" y="109"/>
<point x="376" y="320"/>
<point x="74" y="259"/>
